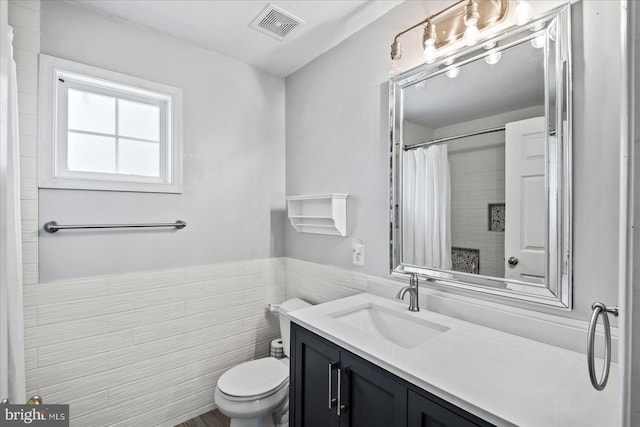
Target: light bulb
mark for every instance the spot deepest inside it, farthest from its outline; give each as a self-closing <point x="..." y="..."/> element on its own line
<point x="396" y="54"/>
<point x="429" y="41"/>
<point x="430" y="51"/>
<point x="471" y="35"/>
<point x="395" y="68"/>
<point x="494" y="57"/>
<point x="538" y="42"/>
<point x="523" y="12"/>
<point x="471" y="15"/>
<point x="453" y="73"/>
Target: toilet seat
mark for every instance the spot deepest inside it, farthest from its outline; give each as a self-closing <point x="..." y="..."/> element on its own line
<point x="253" y="380"/>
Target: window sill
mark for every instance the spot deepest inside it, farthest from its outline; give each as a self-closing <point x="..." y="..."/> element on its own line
<point x="109" y="185"/>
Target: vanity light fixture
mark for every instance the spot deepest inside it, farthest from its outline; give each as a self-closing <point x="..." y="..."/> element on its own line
<point x="464" y="20"/>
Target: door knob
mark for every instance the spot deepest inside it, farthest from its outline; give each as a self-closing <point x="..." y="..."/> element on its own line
<point x="512" y="260"/>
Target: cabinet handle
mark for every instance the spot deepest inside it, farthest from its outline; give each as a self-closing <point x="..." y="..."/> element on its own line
<point x="599" y="308"/>
<point x="342" y="407"/>
<point x="332" y="401"/>
<point x="338" y="406"/>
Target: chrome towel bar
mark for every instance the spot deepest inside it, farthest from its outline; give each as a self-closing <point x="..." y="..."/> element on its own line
<point x="52" y="226"/>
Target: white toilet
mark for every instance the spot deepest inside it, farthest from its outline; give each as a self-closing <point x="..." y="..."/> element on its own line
<point x="253" y="393"/>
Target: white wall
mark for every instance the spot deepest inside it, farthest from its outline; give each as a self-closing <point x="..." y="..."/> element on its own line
<point x="233" y="157"/>
<point x="338" y="140"/>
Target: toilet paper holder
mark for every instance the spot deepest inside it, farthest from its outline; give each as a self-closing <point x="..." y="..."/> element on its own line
<point x="273" y="308"/>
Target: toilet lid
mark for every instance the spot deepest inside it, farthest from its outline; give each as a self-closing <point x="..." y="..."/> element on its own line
<point x="254" y="378"/>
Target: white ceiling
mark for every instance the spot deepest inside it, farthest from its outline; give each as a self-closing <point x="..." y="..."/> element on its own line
<point x="223" y="26"/>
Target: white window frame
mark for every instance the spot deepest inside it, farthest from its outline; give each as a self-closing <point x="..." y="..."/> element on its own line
<point x="52" y="159"/>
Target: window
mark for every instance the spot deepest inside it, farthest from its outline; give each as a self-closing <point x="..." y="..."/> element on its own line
<point x="102" y="130"/>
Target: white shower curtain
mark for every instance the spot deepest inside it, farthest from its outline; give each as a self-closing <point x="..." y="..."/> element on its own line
<point x="12" y="347"/>
<point x="426" y="212"/>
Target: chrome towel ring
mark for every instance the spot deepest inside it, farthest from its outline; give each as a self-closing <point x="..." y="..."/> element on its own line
<point x="598" y="309"/>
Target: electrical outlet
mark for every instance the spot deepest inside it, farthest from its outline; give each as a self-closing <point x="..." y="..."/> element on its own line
<point x="358" y="254"/>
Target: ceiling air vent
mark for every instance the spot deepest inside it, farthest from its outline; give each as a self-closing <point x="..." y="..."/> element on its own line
<point x="276" y="22"/>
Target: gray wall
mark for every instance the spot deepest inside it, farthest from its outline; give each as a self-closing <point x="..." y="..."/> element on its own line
<point x="337" y="140"/>
<point x="233" y="198"/>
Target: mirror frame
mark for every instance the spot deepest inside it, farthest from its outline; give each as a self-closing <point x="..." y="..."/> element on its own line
<point x="557" y="290"/>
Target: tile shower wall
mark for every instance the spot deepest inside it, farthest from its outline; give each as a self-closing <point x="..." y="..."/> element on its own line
<point x="24" y="17"/>
<point x="477" y="180"/>
<point x="148" y="348"/>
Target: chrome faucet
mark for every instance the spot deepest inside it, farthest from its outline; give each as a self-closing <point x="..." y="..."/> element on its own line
<point x="413" y="292"/>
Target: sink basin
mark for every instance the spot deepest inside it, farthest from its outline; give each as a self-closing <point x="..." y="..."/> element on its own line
<point x="402" y="329"/>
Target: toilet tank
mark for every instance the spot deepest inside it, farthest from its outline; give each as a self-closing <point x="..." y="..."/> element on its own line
<point x="285" y="323"/>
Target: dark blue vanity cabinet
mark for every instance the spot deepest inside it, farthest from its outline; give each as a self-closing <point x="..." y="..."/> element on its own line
<point x="332" y="387"/>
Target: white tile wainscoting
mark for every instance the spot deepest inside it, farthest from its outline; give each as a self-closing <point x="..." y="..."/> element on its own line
<point x="148" y="348"/>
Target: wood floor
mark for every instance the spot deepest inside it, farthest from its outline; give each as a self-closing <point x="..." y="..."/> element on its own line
<point x="210" y="419"/>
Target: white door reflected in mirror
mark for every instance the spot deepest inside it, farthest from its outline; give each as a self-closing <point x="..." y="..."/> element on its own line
<point x="525" y="200"/>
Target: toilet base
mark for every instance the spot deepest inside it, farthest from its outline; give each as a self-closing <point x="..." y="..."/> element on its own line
<point x="265" y="421"/>
<point x="255" y="413"/>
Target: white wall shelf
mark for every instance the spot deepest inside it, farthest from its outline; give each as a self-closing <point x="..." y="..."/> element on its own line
<point x="319" y="213"/>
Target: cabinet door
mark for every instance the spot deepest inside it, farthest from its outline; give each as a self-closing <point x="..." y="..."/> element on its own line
<point x="369" y="396"/>
<point x="423" y="412"/>
<point x="313" y="384"/>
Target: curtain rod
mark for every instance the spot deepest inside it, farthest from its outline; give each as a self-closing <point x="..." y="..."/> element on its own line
<point x="465" y="135"/>
<point x="451" y="138"/>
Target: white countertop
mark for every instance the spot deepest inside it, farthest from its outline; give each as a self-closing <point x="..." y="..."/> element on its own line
<point x="502" y="378"/>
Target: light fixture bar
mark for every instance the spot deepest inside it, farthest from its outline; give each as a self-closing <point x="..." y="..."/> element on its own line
<point x="422" y="23"/>
<point x="450" y="25"/>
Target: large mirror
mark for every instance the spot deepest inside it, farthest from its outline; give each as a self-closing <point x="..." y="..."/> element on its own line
<point x="481" y="162"/>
